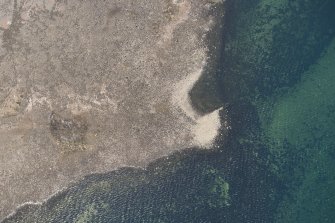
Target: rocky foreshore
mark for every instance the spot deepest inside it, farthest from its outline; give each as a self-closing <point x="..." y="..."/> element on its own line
<point x="91" y="86"/>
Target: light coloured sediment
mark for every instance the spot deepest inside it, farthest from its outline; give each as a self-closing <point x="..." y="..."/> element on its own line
<point x="91" y="86"/>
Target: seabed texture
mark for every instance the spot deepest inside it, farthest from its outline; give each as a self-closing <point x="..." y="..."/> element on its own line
<point x="167" y="111"/>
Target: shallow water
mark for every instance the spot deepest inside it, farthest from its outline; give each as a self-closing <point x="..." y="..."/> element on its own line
<point x="274" y="165"/>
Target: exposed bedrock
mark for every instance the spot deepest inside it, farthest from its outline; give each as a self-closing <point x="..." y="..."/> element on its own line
<point x="92" y="86"/>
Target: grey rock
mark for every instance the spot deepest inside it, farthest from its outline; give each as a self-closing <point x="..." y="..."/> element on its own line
<point x="91" y="86"/>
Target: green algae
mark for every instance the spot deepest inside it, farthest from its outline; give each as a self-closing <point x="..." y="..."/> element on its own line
<point x="154" y="195"/>
<point x="87" y="215"/>
<point x="304" y="119"/>
<point x="221" y="188"/>
<point x="294" y="101"/>
<point x="269" y="45"/>
<point x="308" y="105"/>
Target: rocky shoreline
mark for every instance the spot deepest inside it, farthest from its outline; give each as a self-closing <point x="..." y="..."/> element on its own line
<point x="89" y="87"/>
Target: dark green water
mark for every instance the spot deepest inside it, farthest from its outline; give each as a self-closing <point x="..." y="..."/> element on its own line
<point x="276" y="165"/>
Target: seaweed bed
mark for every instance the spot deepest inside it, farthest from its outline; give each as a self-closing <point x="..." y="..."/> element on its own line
<point x="275" y="164"/>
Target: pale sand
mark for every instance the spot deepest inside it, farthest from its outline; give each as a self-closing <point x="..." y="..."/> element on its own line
<point x="204" y="128"/>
